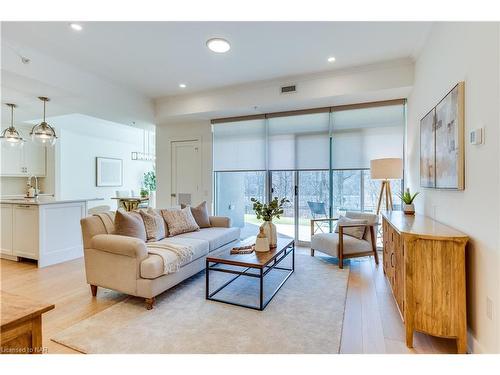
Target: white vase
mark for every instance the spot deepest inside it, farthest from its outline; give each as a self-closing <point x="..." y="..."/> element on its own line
<point x="152" y="199"/>
<point x="409" y="209"/>
<point x="261" y="245"/>
<point x="270" y="231"/>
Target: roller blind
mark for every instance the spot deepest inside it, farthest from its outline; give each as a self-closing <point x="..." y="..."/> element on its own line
<point x="299" y="142"/>
<point x="360" y="135"/>
<point x="239" y="145"/>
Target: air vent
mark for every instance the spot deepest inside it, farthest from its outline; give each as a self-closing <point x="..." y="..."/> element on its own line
<point x="288" y="89"/>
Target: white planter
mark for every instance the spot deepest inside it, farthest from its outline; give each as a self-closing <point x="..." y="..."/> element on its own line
<point x="270" y="231"/>
<point x="152" y="199"/>
<point x="409" y="209"/>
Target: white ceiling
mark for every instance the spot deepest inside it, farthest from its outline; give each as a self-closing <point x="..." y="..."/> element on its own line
<point x="154" y="57"/>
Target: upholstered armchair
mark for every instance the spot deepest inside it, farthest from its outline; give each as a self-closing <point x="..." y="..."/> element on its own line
<point x="343" y="246"/>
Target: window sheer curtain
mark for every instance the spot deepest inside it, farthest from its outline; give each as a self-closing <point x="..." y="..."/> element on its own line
<point x="327" y="150"/>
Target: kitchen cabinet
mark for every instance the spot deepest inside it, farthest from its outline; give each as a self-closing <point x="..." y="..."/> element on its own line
<point x="47" y="231"/>
<point x="30" y="159"/>
<point x="6" y="231"/>
<point x="25" y="231"/>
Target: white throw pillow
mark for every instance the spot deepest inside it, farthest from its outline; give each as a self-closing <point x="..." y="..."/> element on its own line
<point x="356" y="232"/>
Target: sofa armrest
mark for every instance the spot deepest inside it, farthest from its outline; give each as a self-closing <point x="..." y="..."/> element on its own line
<point x="120" y="245"/>
<point x="220" y="221"/>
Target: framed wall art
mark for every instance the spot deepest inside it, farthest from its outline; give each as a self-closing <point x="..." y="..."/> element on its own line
<point x="442" y="144"/>
<point x="109" y="172"/>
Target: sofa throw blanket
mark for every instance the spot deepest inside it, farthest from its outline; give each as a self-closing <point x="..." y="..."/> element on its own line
<point x="183" y="254"/>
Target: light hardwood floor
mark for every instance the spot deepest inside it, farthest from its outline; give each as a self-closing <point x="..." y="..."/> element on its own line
<point x="371" y="324"/>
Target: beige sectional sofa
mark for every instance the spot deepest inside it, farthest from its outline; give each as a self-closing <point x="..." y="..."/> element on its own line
<point x="123" y="264"/>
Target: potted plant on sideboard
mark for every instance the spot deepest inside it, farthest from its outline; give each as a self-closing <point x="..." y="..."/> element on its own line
<point x="407" y="198"/>
<point x="267" y="212"/>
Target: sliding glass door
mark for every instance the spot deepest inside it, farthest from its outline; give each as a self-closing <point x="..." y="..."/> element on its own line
<point x="319" y="160"/>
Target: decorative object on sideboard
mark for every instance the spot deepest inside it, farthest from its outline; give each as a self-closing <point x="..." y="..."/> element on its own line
<point x="43" y="133"/>
<point x="267" y="212"/>
<point x="109" y="172"/>
<point x="261" y="242"/>
<point x="407" y="198"/>
<point x="10" y="135"/>
<point x="386" y="169"/>
<point x="442" y="145"/>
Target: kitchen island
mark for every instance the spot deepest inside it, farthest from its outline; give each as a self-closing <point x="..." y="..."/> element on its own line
<point x="43" y="229"/>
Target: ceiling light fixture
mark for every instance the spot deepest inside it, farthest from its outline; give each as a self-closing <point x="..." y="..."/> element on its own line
<point x="182" y="85"/>
<point x="43" y="133"/>
<point x="76" y="26"/>
<point x="331" y="59"/>
<point x="10" y="135"/>
<point x="218" y="45"/>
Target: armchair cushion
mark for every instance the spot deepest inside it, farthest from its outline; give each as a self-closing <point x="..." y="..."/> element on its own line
<point x="328" y="243"/>
<point x="356" y="232"/>
<point x="372" y="219"/>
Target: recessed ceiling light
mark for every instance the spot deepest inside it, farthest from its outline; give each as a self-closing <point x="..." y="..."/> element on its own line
<point x="182" y="85"/>
<point x="76" y="26"/>
<point x="331" y="59"/>
<point x="218" y="45"/>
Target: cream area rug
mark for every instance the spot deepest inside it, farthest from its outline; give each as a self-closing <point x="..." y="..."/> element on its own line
<point x="305" y="316"/>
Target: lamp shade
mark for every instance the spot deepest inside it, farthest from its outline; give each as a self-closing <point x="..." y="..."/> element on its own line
<point x="386" y="169"/>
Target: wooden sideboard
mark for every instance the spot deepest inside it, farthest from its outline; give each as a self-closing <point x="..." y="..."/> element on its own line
<point x="424" y="262"/>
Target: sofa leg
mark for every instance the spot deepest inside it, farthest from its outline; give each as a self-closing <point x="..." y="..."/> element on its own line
<point x="312" y="252"/>
<point x="149" y="303"/>
<point x="93" y="289"/>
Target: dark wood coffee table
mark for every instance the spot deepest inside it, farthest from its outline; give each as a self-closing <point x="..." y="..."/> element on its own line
<point x="256" y="265"/>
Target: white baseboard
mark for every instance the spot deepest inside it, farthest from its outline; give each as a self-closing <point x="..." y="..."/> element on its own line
<point x="473" y="345"/>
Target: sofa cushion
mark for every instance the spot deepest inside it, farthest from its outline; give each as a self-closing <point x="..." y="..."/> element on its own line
<point x="215" y="236"/>
<point x="179" y="221"/>
<point x="154" y="224"/>
<point x="328" y="243"/>
<point x="200" y="214"/>
<point x="152" y="266"/>
<point x="129" y="224"/>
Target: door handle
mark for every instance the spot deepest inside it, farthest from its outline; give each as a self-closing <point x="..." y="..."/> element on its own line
<point x="173" y="195"/>
<point x="296" y="191"/>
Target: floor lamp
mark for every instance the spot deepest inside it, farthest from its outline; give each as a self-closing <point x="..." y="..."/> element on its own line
<point x="385" y="170"/>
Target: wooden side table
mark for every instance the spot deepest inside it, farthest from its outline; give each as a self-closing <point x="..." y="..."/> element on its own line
<point x="21" y="324"/>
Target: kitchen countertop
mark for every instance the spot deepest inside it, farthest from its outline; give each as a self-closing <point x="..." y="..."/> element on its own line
<point x="43" y="200"/>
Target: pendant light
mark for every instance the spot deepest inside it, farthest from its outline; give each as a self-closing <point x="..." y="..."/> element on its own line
<point x="43" y="133"/>
<point x="10" y="135"/>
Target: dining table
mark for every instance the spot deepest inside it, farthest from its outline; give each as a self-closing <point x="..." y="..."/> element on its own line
<point x="130" y="203"/>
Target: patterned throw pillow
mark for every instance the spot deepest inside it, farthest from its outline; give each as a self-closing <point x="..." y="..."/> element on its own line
<point x="200" y="214"/>
<point x="179" y="221"/>
<point x="129" y="224"/>
<point x="356" y="232"/>
<point x="154" y="224"/>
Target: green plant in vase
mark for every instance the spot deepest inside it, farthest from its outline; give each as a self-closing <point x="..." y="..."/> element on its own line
<point x="267" y="212"/>
<point x="408" y="198"/>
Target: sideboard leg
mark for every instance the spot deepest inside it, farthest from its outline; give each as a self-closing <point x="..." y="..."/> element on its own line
<point x="409" y="336"/>
<point x="462" y="344"/>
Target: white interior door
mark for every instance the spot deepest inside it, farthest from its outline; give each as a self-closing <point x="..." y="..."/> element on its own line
<point x="186" y="172"/>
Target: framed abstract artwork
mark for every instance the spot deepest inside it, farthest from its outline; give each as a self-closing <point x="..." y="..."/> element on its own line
<point x="450" y="140"/>
<point x="109" y="172"/>
<point x="442" y="144"/>
<point x="427" y="151"/>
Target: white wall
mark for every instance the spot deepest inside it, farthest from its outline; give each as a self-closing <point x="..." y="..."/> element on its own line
<point x="468" y="52"/>
<point x="78" y="149"/>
